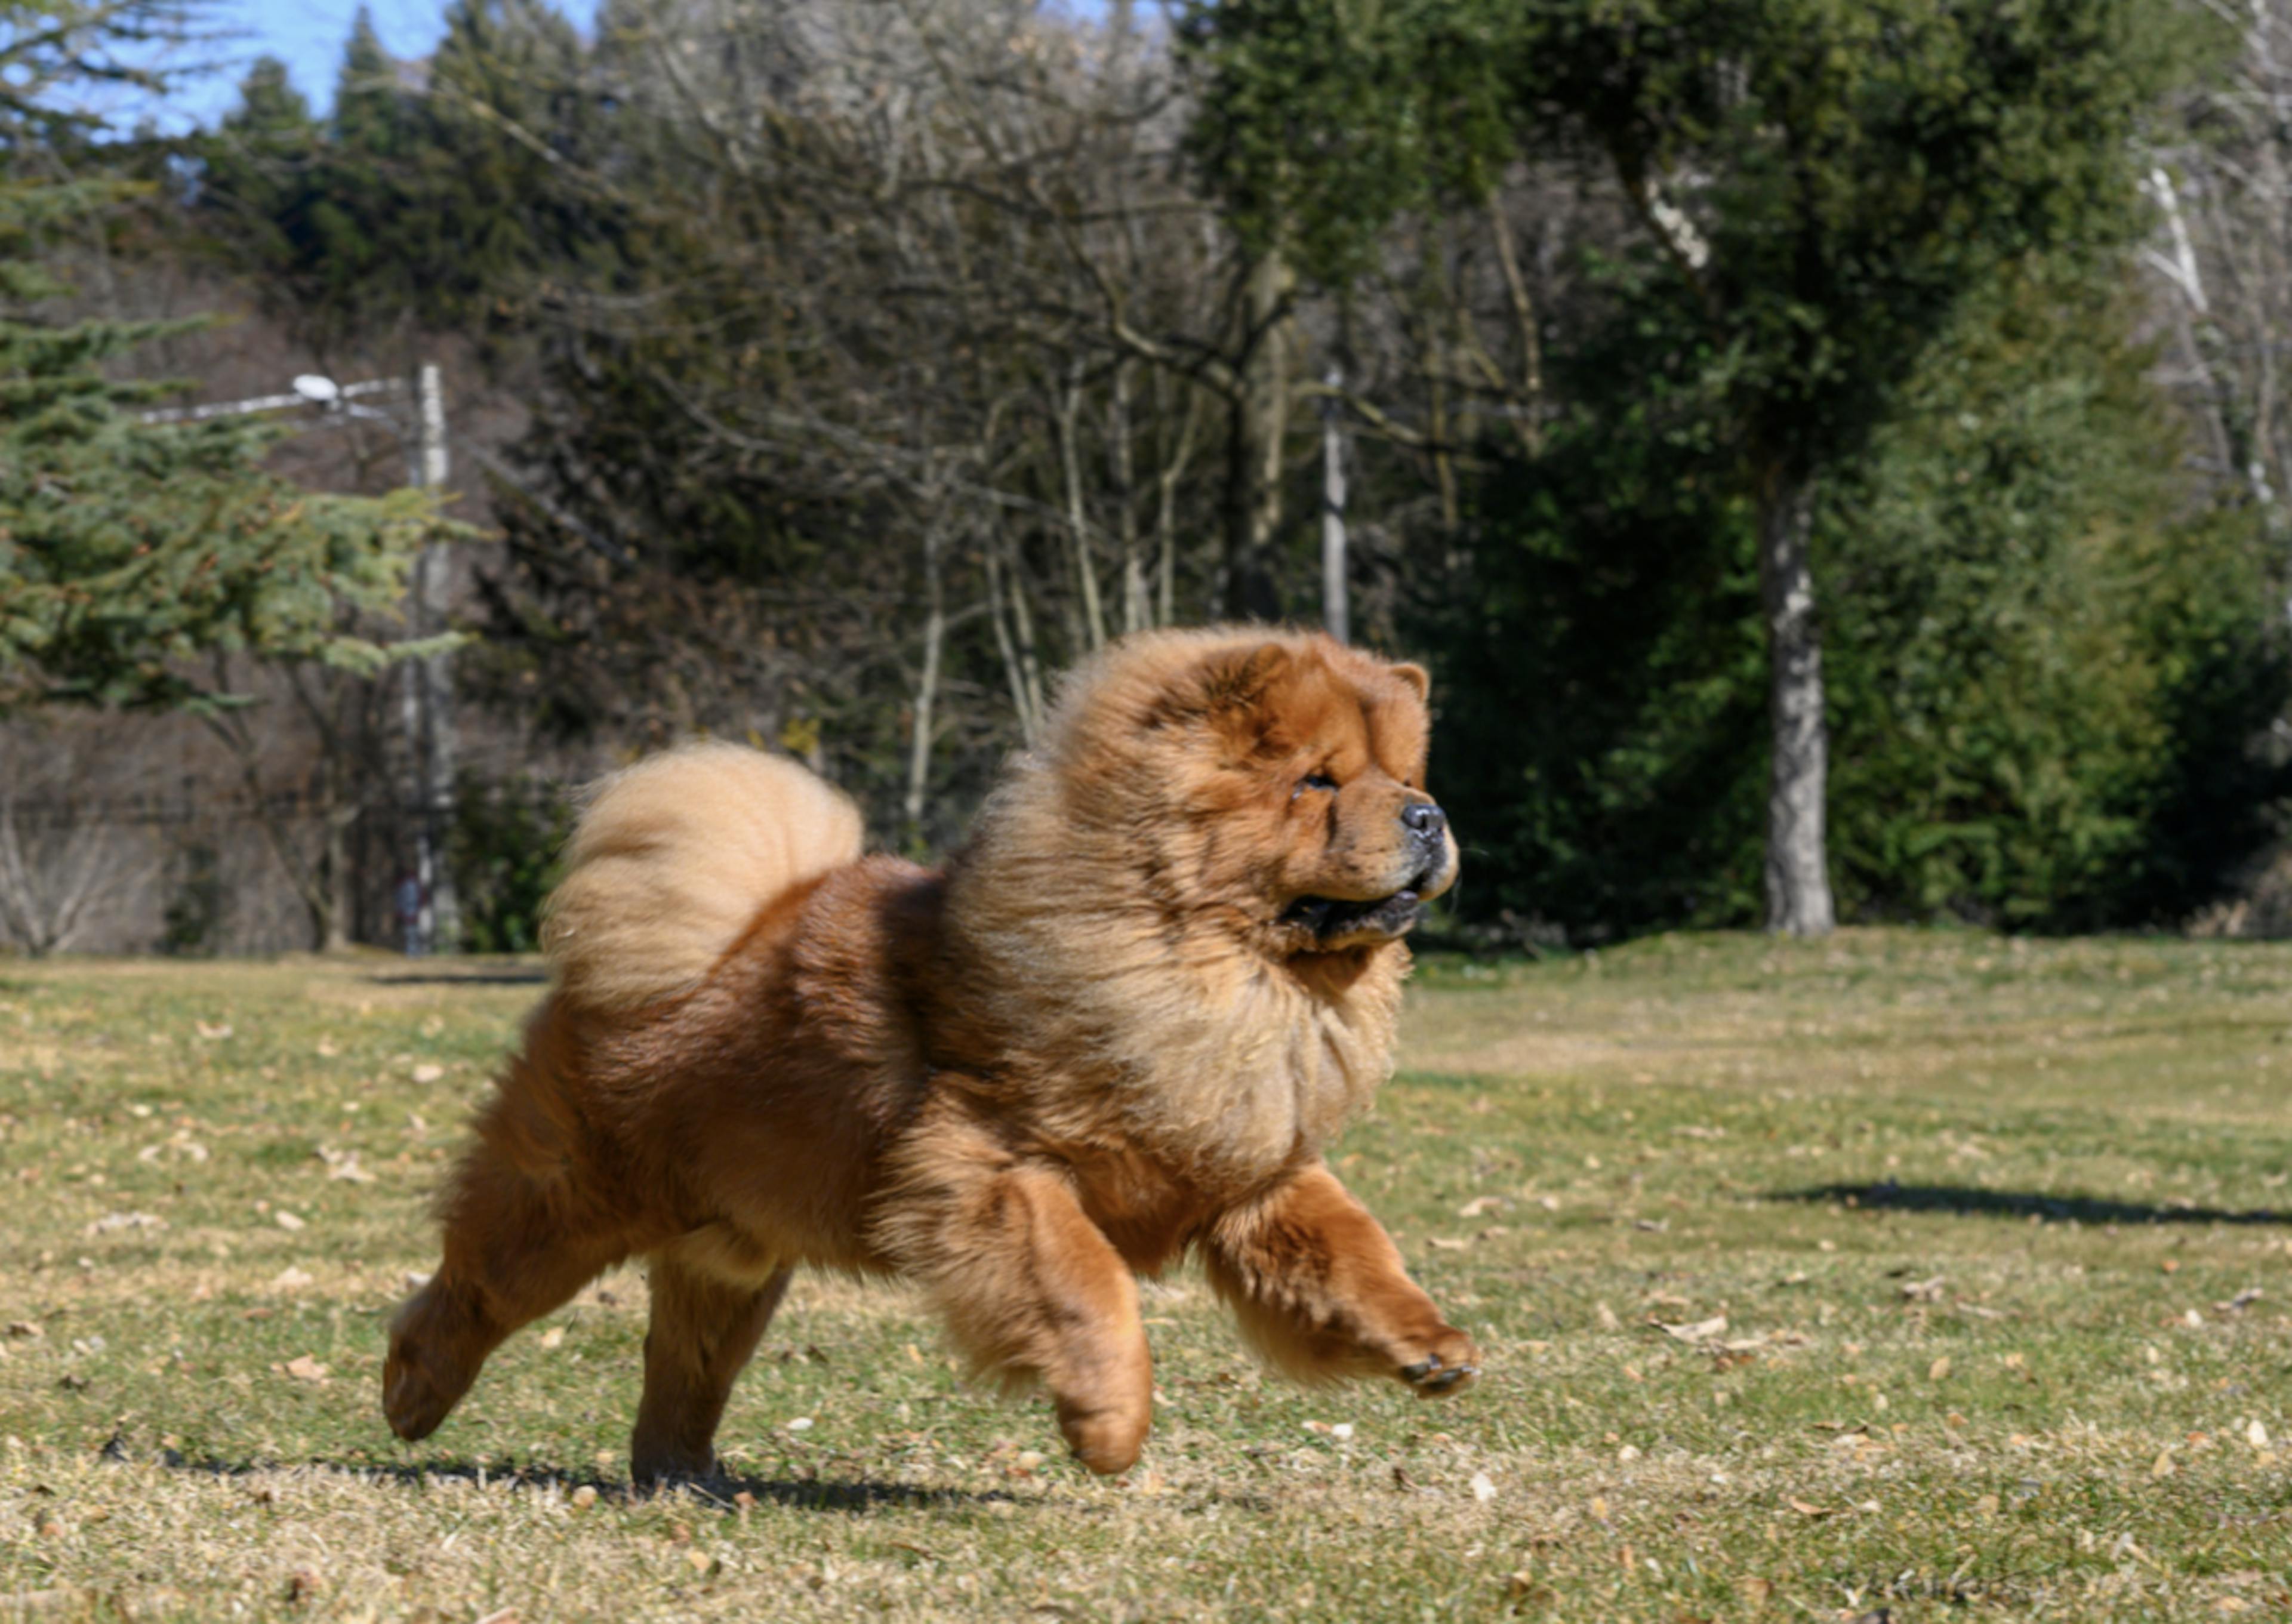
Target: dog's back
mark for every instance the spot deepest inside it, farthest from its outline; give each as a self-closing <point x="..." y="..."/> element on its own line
<point x="672" y="860"/>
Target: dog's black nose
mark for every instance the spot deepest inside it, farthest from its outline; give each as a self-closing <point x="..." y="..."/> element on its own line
<point x="1424" y="820"/>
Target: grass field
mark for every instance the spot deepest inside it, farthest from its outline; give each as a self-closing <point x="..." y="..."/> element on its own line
<point x="1993" y="1228"/>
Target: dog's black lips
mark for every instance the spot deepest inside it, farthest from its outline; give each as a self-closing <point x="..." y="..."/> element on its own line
<point x="1327" y="917"/>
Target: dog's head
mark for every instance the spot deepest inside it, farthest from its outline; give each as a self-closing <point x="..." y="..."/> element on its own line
<point x="1272" y="780"/>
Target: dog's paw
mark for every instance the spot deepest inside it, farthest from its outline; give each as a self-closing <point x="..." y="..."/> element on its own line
<point x="1449" y="1364"/>
<point x="413" y="1400"/>
<point x="422" y="1377"/>
<point x="657" y="1464"/>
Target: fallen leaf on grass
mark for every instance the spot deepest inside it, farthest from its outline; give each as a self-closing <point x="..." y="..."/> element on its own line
<point x="1939" y="1369"/>
<point x="2241" y="1301"/>
<point x="554" y="1337"/>
<point x="1447" y="1243"/>
<point x="1607" y="1317"/>
<point x="287" y="1221"/>
<point x="303" y="1368"/>
<point x="1923" y="1290"/>
<point x="2257" y="1435"/>
<point x="112" y="1221"/>
<point x="1521" y="1585"/>
<point x="1484" y="1488"/>
<point x="290" y="1280"/>
<point x="584" y="1498"/>
<point x="1701" y="1330"/>
<point x="344" y="1164"/>
<point x="1480" y="1204"/>
<point x="216" y="1033"/>
<point x="1807" y="1508"/>
<point x="24" y="1327"/>
<point x="428" y="1074"/>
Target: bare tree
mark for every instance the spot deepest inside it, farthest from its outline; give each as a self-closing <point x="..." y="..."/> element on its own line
<point x="65" y="864"/>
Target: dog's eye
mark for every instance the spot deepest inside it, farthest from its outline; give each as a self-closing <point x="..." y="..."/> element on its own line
<point x="1314" y="780"/>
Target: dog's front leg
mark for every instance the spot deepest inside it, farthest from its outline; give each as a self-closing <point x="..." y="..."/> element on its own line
<point x="1029" y="1289"/>
<point x="1319" y="1289"/>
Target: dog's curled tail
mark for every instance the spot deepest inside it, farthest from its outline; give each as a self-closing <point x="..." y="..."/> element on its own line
<point x="674" y="859"/>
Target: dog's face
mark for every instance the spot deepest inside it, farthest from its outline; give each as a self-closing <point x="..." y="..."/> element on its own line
<point x="1322" y="823"/>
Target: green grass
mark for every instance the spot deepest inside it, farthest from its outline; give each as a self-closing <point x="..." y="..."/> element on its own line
<point x="1983" y="1217"/>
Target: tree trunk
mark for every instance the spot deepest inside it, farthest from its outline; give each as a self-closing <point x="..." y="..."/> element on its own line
<point x="1797" y="869"/>
<point x="1137" y="609"/>
<point x="1016" y="639"/>
<point x="1068" y="423"/>
<point x="1336" y="611"/>
<point x="919" y="747"/>
<point x="335" y="929"/>
<point x="1258" y="423"/>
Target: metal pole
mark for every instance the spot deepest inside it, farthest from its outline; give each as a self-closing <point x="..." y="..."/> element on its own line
<point x="431" y="735"/>
<point x="1335" y="615"/>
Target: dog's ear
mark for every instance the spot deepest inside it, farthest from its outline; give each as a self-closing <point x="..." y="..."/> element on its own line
<point x="1237" y="679"/>
<point x="1414" y="677"/>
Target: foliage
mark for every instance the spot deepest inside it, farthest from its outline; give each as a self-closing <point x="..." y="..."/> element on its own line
<point x="128" y="547"/>
<point x="401" y="202"/>
<point x="2048" y="669"/>
<point x="504" y="850"/>
<point x="2047" y="672"/>
<point x="1601" y="679"/>
<point x="197" y="905"/>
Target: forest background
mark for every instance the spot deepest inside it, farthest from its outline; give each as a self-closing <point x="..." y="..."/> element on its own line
<point x="1833" y="456"/>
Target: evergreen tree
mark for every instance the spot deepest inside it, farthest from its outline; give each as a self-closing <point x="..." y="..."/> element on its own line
<point x="127" y="548"/>
<point x="1823" y="184"/>
<point x="2046" y="663"/>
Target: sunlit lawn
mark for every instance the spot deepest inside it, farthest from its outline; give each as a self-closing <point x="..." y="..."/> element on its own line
<point x="1935" y="1274"/>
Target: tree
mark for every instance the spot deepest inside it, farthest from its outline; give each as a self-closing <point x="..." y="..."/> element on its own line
<point x="1824" y="181"/>
<point x="2048" y="665"/>
<point x="128" y="548"/>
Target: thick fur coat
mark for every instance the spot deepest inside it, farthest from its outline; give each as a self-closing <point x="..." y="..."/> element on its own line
<point x="1122" y="1024"/>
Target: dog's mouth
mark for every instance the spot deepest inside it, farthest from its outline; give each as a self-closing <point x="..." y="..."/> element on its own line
<point x="1330" y="919"/>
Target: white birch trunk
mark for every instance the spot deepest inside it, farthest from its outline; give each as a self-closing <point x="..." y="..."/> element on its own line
<point x="1336" y="610"/>
<point x="919" y="746"/>
<point x="1797" y="866"/>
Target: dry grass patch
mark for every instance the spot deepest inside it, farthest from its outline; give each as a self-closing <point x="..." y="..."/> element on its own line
<point x="1925" y="1275"/>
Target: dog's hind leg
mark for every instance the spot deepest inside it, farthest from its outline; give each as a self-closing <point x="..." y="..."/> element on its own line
<point x="522" y="1235"/>
<point x="705" y="1329"/>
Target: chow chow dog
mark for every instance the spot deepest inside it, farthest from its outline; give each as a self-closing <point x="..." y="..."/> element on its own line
<point x="1121" y="1025"/>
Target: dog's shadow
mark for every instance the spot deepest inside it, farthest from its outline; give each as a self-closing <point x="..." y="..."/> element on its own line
<point x="1965" y="1201"/>
<point x="723" y="1493"/>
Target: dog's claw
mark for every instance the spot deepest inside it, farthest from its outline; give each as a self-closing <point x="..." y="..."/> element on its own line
<point x="1432" y="1378"/>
